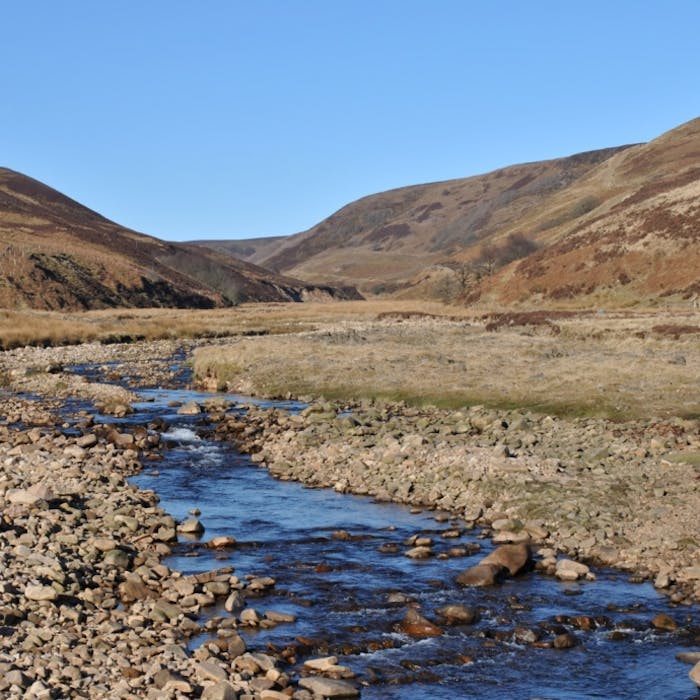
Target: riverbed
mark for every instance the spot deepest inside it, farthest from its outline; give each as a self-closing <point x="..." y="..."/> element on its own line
<point x="340" y="567"/>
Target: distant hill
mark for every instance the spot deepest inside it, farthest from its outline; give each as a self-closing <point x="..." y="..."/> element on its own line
<point x="250" y="249"/>
<point x="58" y="254"/>
<point x="388" y="238"/>
<point x="617" y="225"/>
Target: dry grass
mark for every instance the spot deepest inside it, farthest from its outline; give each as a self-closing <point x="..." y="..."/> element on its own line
<point x="616" y="364"/>
<point x="45" y="328"/>
<point x="611" y="365"/>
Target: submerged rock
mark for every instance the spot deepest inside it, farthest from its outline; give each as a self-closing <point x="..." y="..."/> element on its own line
<point x="415" y="625"/>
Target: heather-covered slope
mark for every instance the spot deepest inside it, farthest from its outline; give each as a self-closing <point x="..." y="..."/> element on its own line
<point x="388" y="238"/>
<point x="57" y="254"/>
<point x="642" y="241"/>
<point x="616" y="226"/>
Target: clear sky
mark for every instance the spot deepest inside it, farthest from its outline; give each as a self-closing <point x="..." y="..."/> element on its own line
<point x="233" y="119"/>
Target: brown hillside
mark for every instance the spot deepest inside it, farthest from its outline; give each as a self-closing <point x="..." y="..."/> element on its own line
<point x="616" y="226"/>
<point x="388" y="238"/>
<point x="58" y="254"/>
<point x="641" y="243"/>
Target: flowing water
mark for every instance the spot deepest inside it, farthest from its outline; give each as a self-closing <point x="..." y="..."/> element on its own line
<point x="339" y="588"/>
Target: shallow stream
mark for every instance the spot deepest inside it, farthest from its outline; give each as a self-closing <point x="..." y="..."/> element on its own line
<point x="339" y="588"/>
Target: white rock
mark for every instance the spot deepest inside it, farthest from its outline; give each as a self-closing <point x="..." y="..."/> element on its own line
<point x="570" y="570"/>
<point x="38" y="592"/>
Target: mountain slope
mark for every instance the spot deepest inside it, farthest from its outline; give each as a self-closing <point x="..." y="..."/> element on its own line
<point x="58" y="254"/>
<point x="394" y="235"/>
<point x="642" y="241"/>
<point x="616" y="226"/>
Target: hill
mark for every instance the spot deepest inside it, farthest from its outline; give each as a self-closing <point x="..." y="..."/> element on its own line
<point x="386" y="239"/>
<point x="617" y="225"/>
<point x="58" y="254"/>
<point x="641" y="242"/>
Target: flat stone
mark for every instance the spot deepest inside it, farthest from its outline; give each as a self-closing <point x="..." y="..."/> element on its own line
<point x="510" y="537"/>
<point x="221" y="690"/>
<point x="86" y="441"/>
<point x="329" y="688"/>
<point x="31" y="495"/>
<point x="280" y="617"/>
<point x="39" y="593"/>
<point x="165" y="610"/>
<point x="273" y="695"/>
<point x="570" y="570"/>
<point x="321" y="664"/>
<point x="16" y="677"/>
<point x="104" y="544"/>
<point x="210" y="671"/>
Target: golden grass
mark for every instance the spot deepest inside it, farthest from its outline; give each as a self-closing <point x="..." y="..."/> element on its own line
<point x="610" y="365"/>
<point x="20" y="328"/>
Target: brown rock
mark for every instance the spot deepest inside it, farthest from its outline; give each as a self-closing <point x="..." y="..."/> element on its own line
<point x="191" y="526"/>
<point x="565" y="641"/>
<point x="664" y="622"/>
<point x="513" y="557"/>
<point x="222" y="690"/>
<point x="133" y="588"/>
<point x="458" y="614"/>
<point x="39" y="593"/>
<point x="415" y="625"/>
<point x="480" y="575"/>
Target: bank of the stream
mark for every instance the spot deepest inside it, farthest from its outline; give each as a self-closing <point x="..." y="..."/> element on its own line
<point x="393" y="453"/>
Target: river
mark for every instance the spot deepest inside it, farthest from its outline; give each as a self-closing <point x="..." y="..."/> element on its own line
<point x="341" y="588"/>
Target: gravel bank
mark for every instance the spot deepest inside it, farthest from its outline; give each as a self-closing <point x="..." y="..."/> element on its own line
<point x="87" y="608"/>
<point x="625" y="495"/>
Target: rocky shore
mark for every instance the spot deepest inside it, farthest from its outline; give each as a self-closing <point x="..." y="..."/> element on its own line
<point x="88" y="609"/>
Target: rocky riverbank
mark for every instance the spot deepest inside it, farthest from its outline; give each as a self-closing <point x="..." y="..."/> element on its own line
<point x="624" y="495"/>
<point x="87" y="607"/>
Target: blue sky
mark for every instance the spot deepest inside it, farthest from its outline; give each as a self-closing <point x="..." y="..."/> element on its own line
<point x="230" y="119"/>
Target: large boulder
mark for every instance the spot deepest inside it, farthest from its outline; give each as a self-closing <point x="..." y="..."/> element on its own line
<point x="480" y="575"/>
<point x="513" y="557"/>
